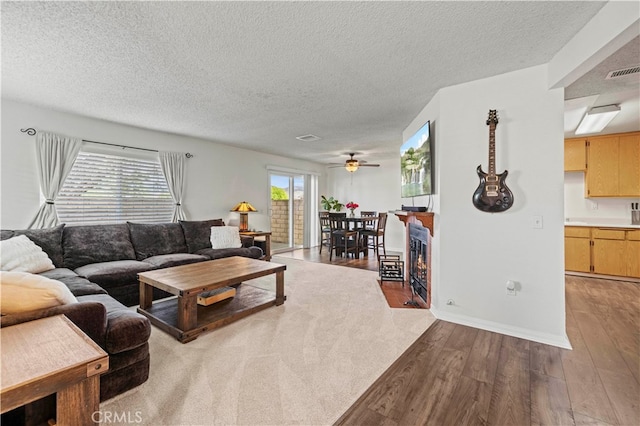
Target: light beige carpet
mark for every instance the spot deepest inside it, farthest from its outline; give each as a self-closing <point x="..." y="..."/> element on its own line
<point x="302" y="363"/>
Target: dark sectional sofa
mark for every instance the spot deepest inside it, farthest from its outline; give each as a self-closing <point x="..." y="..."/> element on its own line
<point x="99" y="264"/>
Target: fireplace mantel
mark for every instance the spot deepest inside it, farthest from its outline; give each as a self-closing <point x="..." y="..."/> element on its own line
<point x="426" y="218"/>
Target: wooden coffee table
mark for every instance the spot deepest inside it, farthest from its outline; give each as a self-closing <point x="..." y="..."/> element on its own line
<point x="183" y="318"/>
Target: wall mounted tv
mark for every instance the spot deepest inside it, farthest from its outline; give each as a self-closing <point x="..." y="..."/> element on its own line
<point x="416" y="164"/>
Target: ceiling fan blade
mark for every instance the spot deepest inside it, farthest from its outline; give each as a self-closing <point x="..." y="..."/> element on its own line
<point x="369" y="165"/>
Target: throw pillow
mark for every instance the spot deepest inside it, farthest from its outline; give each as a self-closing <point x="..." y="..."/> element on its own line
<point x="197" y="233"/>
<point x="20" y="254"/>
<point x="225" y="237"/>
<point x="23" y="292"/>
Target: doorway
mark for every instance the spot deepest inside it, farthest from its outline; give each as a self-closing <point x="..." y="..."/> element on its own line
<point x="287" y="211"/>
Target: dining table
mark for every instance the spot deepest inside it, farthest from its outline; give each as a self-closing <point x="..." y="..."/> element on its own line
<point x="358" y="223"/>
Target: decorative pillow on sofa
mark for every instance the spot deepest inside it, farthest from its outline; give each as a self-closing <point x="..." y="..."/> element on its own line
<point x="20" y="254"/>
<point x="23" y="292"/>
<point x="197" y="233"/>
<point x="225" y="237"/>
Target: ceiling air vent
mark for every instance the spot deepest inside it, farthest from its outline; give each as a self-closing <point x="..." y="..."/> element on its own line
<point x="308" y="138"/>
<point x="623" y="72"/>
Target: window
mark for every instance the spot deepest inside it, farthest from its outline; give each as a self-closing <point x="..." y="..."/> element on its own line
<point x="107" y="188"/>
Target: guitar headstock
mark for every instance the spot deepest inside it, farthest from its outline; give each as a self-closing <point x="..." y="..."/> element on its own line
<point x="493" y="117"/>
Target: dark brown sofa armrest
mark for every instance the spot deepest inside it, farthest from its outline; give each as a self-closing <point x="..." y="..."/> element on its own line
<point x="247" y="241"/>
<point x="90" y="317"/>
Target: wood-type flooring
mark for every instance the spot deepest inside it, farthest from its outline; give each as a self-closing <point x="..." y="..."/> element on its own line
<point x="458" y="375"/>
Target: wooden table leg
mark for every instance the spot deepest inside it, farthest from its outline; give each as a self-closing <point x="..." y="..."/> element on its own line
<point x="187" y="312"/>
<point x="79" y="404"/>
<point x="146" y="296"/>
<point x="280" y="288"/>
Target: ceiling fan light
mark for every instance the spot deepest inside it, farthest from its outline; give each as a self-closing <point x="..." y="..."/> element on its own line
<point x="351" y="165"/>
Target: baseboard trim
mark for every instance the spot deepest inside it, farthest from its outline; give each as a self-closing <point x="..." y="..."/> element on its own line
<point x="522" y="333"/>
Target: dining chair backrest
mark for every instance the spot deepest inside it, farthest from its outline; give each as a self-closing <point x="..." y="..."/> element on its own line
<point x="336" y="221"/>
<point x="324" y="220"/>
<point x="382" y="221"/>
<point x="369" y="224"/>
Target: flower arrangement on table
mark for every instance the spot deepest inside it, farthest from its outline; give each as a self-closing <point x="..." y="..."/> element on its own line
<point x="352" y="206"/>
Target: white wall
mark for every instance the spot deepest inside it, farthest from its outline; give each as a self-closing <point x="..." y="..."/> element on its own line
<point x="476" y="253"/>
<point x="218" y="176"/>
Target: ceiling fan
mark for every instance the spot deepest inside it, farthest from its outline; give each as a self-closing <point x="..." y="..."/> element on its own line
<point x="351" y="165"/>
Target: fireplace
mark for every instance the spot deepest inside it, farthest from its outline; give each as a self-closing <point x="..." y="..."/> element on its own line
<point x="419" y="261"/>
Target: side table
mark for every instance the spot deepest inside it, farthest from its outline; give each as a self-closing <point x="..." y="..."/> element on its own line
<point x="52" y="355"/>
<point x="267" y="239"/>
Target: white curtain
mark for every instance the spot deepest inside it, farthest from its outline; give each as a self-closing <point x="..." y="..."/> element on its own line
<point x="173" y="165"/>
<point x="55" y="155"/>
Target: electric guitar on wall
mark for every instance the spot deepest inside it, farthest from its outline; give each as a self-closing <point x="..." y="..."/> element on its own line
<point x="492" y="195"/>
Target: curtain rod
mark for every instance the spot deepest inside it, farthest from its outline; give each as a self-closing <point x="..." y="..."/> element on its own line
<point x="31" y="131"/>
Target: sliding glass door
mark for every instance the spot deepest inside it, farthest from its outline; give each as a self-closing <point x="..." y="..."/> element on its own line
<point x="287" y="211"/>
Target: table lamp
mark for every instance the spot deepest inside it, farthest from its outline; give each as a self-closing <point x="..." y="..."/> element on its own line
<point x="244" y="209"/>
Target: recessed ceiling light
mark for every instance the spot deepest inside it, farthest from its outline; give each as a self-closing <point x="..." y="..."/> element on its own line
<point x="308" y="138"/>
<point x="597" y="119"/>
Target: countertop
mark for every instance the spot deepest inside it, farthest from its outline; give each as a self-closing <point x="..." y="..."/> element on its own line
<point x="600" y="222"/>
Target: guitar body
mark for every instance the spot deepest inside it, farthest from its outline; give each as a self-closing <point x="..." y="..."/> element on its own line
<point x="492" y="196"/>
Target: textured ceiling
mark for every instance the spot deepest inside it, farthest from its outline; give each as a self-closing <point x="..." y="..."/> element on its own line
<point x="258" y="74"/>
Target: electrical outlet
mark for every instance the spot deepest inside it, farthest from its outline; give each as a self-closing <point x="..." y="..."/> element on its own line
<point x="511" y="288"/>
<point x="594" y="205"/>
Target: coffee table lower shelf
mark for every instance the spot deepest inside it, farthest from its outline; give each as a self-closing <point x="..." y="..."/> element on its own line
<point x="248" y="300"/>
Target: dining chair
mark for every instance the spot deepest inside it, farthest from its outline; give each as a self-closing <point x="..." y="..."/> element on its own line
<point x="325" y="229"/>
<point x="343" y="240"/>
<point x="374" y="238"/>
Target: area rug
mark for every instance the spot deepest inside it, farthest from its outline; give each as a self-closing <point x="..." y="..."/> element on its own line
<point x="303" y="363"/>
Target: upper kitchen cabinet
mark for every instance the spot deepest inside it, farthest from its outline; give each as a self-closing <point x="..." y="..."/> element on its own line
<point x="575" y="155"/>
<point x="613" y="165"/>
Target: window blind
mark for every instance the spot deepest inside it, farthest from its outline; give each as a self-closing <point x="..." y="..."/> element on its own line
<point x="103" y="188"/>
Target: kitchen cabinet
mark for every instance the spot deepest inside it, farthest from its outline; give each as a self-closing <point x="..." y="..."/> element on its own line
<point x="575" y="155"/>
<point x="608" y="254"/>
<point x="613" y="165"/>
<point x="577" y="248"/>
<point x="629" y="150"/>
<point x="633" y="253"/>
<point x="605" y="251"/>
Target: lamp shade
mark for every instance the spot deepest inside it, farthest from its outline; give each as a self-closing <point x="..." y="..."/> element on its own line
<point x="244" y="207"/>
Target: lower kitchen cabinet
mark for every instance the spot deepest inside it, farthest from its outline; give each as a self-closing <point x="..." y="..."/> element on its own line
<point x="605" y="251"/>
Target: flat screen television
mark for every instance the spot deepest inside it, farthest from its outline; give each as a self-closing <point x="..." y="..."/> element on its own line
<point x="415" y="164"/>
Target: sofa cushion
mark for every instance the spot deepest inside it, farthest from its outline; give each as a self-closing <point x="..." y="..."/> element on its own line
<point x="20" y="254"/>
<point x="176" y="259"/>
<point x="84" y="245"/>
<point x="24" y="292"/>
<point x="79" y="286"/>
<point x="126" y="329"/>
<point x="151" y="239"/>
<point x="113" y="274"/>
<point x="252" y="252"/>
<point x="49" y="239"/>
<point x="197" y="233"/>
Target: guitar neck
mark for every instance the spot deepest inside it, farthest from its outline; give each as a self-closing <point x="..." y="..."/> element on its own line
<point x="492" y="149"/>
